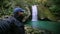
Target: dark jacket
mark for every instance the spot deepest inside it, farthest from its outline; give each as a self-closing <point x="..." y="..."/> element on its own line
<point x="11" y="26"/>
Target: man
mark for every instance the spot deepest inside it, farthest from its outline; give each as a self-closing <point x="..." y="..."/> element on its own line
<point x="13" y="25"/>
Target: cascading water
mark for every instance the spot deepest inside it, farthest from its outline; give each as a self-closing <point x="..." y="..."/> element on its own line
<point x="34" y="16"/>
<point x="34" y="13"/>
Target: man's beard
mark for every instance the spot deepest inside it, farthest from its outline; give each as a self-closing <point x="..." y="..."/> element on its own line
<point x="20" y="18"/>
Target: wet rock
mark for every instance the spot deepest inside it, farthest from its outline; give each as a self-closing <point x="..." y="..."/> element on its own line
<point x="30" y="30"/>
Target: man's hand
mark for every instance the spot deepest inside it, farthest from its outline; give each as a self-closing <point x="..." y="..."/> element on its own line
<point x="26" y="17"/>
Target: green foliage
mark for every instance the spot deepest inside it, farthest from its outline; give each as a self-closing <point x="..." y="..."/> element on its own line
<point x="6" y="6"/>
<point x="53" y="6"/>
<point x="56" y="8"/>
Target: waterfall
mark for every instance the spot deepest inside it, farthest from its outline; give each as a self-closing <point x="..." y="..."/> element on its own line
<point x="34" y="16"/>
<point x="34" y="13"/>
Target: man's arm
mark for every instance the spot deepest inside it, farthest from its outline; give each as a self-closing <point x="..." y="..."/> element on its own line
<point x="26" y="17"/>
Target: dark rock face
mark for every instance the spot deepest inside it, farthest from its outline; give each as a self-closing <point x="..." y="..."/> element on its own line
<point x="44" y="19"/>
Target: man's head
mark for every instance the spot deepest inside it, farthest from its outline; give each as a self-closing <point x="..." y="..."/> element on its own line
<point x="19" y="11"/>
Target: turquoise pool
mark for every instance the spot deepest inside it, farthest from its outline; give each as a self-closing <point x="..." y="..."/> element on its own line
<point x="47" y="25"/>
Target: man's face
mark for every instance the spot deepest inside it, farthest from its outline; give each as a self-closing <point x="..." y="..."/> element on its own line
<point x="20" y="16"/>
<point x="20" y="13"/>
